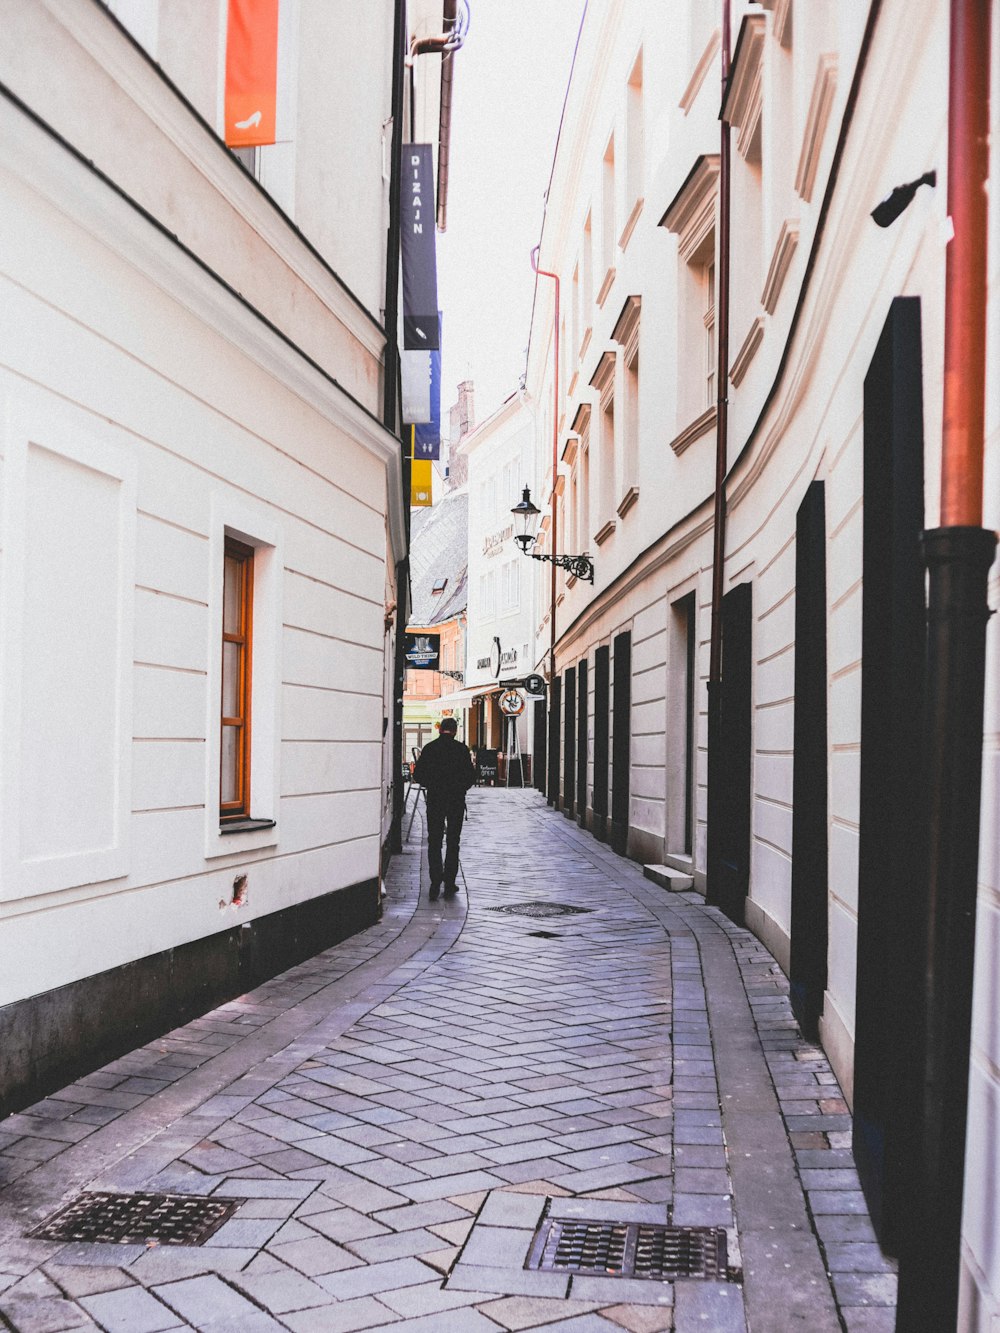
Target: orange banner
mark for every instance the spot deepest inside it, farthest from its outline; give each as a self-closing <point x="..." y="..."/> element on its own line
<point x="251" y="72"/>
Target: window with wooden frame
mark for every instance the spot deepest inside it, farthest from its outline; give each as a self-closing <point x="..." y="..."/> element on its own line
<point x="237" y="630"/>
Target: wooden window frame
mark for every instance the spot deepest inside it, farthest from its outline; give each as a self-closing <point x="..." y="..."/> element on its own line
<point x="240" y="808"/>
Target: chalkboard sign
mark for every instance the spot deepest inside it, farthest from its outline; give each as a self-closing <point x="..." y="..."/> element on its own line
<point x="486" y="765"/>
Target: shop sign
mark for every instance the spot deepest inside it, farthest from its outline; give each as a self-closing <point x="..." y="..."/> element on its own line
<point x="496" y="541"/>
<point x="423" y="651"/>
<point x="511" y="703"/>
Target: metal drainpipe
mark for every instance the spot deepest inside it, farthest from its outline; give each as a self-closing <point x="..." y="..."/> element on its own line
<point x="715" y="778"/>
<point x="389" y="415"/>
<point x="958" y="555"/>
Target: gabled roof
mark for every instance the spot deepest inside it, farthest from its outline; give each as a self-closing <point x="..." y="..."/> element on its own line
<point x="439" y="553"/>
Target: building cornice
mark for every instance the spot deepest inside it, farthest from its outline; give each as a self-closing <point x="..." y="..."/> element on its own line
<point x="744" y="99"/>
<point x="626" y="330"/>
<point x="690" y="215"/>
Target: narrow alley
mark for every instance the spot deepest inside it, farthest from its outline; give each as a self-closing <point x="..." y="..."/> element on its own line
<point x="394" y="1119"/>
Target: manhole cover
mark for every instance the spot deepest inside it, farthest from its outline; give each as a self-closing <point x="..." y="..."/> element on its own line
<point x="629" y="1249"/>
<point x="134" y="1219"/>
<point x="540" y="909"/>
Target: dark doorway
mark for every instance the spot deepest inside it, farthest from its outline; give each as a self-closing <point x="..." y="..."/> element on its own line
<point x="555" y="724"/>
<point x="538" y="744"/>
<point x="569" y="740"/>
<point x="810" y="907"/>
<point x="602" y="704"/>
<point x="892" y="688"/>
<point x="621" y="745"/>
<point x="729" y="878"/>
<point x="582" y="705"/>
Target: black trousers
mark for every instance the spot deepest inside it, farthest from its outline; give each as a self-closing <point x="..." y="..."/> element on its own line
<point x="444" y="811"/>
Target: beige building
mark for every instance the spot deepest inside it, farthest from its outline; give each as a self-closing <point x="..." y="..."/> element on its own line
<point x="835" y="384"/>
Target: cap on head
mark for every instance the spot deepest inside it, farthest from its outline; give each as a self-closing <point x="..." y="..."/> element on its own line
<point x="449" y="726"/>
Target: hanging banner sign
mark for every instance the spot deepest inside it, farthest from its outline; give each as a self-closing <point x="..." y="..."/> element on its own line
<point x="416" y="372"/>
<point x="420" y="301"/>
<point x="427" y="436"/>
<point x="423" y="651"/>
<point x="251" y="72"/>
<point x="421" y="478"/>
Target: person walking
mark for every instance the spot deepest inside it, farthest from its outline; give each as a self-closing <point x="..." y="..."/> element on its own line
<point x="445" y="771"/>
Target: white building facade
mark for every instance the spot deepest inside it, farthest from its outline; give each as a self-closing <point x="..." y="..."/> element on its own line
<point x="202" y="517"/>
<point x="501" y="640"/>
<point x="835" y="393"/>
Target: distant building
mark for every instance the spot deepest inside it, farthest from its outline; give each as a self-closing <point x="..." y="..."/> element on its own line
<point x="438" y="577"/>
<point x="498" y="454"/>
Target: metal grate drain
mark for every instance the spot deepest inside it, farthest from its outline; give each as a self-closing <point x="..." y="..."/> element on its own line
<point x="134" y="1219"/>
<point x="629" y="1249"/>
<point x="540" y="909"/>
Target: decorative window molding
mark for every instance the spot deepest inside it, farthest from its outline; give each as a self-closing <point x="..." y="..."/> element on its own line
<point x="744" y="99"/>
<point x="604" y="532"/>
<point x="588" y="333"/>
<point x="700" y="71"/>
<point x="691" y="213"/>
<point x="628" y="500"/>
<point x="784" y="251"/>
<point x="606" y="285"/>
<point x="741" y="362"/>
<point x="603" y="378"/>
<point x="568" y="455"/>
<point x="629" y="227"/>
<point x="68" y="603"/>
<point x="254" y="527"/>
<point x="626" y="331"/>
<point x="581" y="422"/>
<point x="571" y="386"/>
<point x="781" y="21"/>
<point x="702" y="425"/>
<point x="817" y="119"/>
<point x="560" y="485"/>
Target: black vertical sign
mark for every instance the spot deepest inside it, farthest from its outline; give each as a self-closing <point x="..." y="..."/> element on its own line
<point x="420" y="302"/>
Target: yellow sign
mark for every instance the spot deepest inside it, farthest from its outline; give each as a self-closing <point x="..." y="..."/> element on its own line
<point x="420" y="482"/>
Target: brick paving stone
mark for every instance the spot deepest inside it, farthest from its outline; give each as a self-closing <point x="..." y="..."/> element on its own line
<point x="640" y="1318"/>
<point x="132" y="1310"/>
<point x="283" y="1292"/>
<point x="344" y="1317"/>
<point x="45" y="1316"/>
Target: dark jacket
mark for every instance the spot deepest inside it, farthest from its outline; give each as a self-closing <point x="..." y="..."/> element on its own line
<point x="445" y="768"/>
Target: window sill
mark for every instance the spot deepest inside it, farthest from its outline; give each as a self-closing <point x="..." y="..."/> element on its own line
<point x="702" y="424"/>
<point x="629" y="227"/>
<point x="628" y="500"/>
<point x="245" y="825"/>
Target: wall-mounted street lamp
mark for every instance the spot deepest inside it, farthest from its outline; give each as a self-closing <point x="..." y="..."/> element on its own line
<point x="526" y="517"/>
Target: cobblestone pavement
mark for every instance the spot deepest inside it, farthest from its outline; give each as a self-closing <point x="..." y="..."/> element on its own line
<point x="397" y="1115"/>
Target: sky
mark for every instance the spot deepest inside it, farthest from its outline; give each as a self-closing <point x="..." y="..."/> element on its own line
<point x="510" y="80"/>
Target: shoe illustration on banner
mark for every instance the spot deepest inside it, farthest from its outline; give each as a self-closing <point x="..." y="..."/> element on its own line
<point x="250" y="123"/>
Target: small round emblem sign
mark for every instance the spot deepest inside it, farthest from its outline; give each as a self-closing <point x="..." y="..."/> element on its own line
<point x="534" y="684"/>
<point x="511" y="703"/>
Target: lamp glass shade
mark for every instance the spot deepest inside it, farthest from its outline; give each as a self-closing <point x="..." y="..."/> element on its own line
<point x="525" y="518"/>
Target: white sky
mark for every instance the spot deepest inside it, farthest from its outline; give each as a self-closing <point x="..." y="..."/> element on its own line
<point x="510" y="80"/>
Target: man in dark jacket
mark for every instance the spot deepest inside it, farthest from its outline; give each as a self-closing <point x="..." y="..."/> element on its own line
<point x="445" y="771"/>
